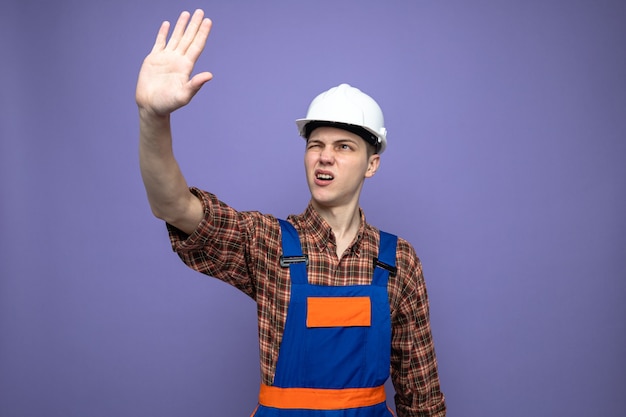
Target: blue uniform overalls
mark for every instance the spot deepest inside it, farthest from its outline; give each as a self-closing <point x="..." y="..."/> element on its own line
<point x="335" y="354"/>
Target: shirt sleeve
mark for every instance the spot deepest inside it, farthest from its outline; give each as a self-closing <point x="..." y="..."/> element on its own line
<point x="224" y="243"/>
<point x="413" y="362"/>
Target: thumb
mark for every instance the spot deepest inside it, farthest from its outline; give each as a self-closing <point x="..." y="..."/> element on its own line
<point x="198" y="80"/>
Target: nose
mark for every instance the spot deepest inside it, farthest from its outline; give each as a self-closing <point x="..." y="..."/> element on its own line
<point x="327" y="156"/>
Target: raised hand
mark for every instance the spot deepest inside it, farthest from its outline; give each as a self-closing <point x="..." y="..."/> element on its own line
<point x="165" y="82"/>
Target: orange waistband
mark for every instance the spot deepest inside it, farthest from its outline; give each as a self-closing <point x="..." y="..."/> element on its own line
<point x="319" y="398"/>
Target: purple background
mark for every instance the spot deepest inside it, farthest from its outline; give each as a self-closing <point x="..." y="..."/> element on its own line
<point x="506" y="169"/>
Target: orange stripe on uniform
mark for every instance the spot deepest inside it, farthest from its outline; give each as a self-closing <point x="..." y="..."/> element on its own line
<point x="338" y="311"/>
<point x="320" y="399"/>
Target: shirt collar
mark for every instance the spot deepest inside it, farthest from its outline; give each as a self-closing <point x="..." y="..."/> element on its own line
<point x="322" y="234"/>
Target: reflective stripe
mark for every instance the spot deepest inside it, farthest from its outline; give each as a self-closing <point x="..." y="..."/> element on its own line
<point x="320" y="399"/>
<point x="338" y="311"/>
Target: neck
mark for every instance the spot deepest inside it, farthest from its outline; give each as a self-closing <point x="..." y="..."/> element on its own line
<point x="344" y="221"/>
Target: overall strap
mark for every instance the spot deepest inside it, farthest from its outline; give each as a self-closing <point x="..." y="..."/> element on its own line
<point x="385" y="264"/>
<point x="292" y="256"/>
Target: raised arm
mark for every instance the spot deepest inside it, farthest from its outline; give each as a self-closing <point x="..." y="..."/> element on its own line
<point x="164" y="85"/>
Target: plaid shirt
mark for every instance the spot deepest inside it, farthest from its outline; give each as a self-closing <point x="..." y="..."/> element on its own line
<point x="243" y="249"/>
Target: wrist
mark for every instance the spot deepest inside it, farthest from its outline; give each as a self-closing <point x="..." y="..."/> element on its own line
<point x="150" y="116"/>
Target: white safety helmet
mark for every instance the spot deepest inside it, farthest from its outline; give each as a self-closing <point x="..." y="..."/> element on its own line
<point x="350" y="109"/>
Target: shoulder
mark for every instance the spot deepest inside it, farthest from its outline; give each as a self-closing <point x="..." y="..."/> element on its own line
<point x="405" y="252"/>
<point x="407" y="261"/>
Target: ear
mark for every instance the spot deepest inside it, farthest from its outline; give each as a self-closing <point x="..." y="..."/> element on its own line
<point x="373" y="163"/>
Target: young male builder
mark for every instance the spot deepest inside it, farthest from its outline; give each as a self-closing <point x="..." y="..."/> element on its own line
<point x="340" y="303"/>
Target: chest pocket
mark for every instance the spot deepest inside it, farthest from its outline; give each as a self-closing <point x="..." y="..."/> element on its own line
<point x="339" y="312"/>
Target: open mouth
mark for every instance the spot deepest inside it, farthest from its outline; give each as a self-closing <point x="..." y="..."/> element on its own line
<point x="324" y="177"/>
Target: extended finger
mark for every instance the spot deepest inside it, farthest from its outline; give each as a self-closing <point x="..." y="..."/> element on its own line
<point x="161" y="38"/>
<point x="178" y="31"/>
<point x="199" y="41"/>
<point x="192" y="30"/>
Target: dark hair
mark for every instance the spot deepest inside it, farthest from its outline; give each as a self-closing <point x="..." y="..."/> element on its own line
<point x="367" y="136"/>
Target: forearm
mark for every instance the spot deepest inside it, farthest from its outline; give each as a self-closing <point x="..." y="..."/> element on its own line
<point x="416" y="379"/>
<point x="416" y="405"/>
<point x="166" y="187"/>
<point x="414" y="367"/>
<point x="163" y="86"/>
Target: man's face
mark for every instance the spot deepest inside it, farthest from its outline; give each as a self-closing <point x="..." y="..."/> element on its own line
<point x="336" y="163"/>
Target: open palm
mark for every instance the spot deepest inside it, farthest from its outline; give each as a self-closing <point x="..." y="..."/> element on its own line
<point x="165" y="82"/>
